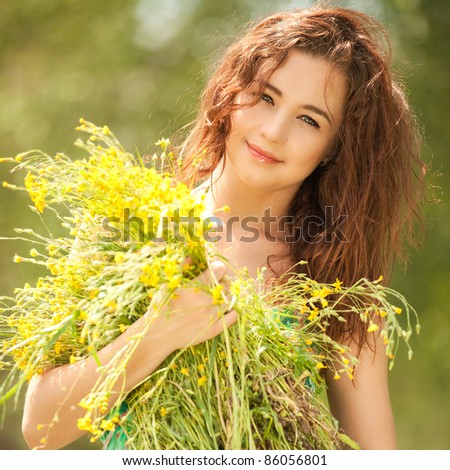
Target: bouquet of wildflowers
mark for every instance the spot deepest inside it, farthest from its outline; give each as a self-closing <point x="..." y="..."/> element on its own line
<point x="128" y="229"/>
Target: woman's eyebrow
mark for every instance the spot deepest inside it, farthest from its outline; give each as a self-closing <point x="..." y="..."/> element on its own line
<point x="309" y="107"/>
<point x="319" y="111"/>
<point x="272" y="88"/>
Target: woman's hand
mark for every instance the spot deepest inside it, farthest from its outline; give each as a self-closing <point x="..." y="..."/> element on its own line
<point x="192" y="317"/>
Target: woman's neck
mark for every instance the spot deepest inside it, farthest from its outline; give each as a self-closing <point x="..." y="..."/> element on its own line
<point x="260" y="209"/>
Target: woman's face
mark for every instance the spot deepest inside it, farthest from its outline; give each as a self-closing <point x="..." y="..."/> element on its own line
<point x="277" y="143"/>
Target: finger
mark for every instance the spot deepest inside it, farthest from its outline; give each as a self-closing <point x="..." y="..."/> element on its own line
<point x="216" y="272"/>
<point x="226" y="284"/>
<point x="218" y="269"/>
<point x="222" y="322"/>
<point x="230" y="318"/>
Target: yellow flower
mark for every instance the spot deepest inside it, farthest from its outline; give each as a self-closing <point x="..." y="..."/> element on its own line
<point x="52" y="250"/>
<point x="313" y="314"/>
<point x="185" y="371"/>
<point x="85" y="424"/>
<point x="37" y="189"/>
<point x="236" y="288"/>
<point x="83" y="315"/>
<point x="336" y="376"/>
<point x="201" y="381"/>
<point x="163" y="411"/>
<point x="107" y="425"/>
<point x="217" y="295"/>
<point x="163" y="143"/>
<point x="337" y="285"/>
<point x="372" y="327"/>
<point x="171" y="267"/>
<point x="174" y="282"/>
<point x="111" y="304"/>
<point x="320" y="365"/>
<point x="397" y="310"/>
<point x="322" y="293"/>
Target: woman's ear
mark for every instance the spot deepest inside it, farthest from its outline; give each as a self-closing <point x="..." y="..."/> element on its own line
<point x="332" y="153"/>
<point x="325" y="160"/>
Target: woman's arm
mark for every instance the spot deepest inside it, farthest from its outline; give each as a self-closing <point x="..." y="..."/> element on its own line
<point x="362" y="405"/>
<point x="51" y="407"/>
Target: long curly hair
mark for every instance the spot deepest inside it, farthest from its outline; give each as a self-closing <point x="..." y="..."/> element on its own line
<point x="373" y="183"/>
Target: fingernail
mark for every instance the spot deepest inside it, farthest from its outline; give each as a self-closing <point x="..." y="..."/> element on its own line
<point x="217" y="264"/>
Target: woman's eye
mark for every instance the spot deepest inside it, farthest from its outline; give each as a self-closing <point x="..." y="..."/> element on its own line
<point x="267" y="98"/>
<point x="310" y="121"/>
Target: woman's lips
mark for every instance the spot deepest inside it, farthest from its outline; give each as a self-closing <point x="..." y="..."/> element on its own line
<point x="261" y="155"/>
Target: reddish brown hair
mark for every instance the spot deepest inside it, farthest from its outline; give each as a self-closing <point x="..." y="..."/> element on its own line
<point x="375" y="176"/>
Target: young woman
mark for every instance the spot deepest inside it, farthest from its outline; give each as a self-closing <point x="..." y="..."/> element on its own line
<point x="302" y="128"/>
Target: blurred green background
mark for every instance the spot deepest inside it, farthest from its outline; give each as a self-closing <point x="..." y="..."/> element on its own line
<point x="139" y="66"/>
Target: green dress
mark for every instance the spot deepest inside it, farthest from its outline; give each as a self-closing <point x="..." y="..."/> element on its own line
<point x="117" y="438"/>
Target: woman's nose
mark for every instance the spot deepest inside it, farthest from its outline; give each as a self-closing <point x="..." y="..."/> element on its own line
<point x="274" y="129"/>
